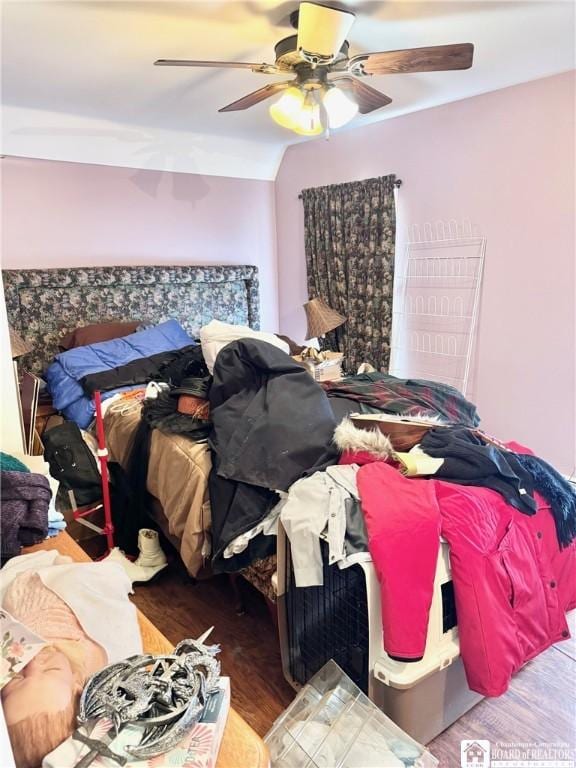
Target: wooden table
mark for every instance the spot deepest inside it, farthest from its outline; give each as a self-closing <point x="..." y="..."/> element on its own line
<point x="241" y="746"/>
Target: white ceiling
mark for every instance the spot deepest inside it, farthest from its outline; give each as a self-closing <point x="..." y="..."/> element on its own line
<point x="78" y="82"/>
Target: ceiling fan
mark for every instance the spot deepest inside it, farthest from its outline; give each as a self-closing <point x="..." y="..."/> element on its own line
<point x="325" y="91"/>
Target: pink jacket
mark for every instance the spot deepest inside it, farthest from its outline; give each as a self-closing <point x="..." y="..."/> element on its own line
<point x="512" y="582"/>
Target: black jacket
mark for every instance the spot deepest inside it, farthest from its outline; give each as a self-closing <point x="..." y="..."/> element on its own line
<point x="272" y="423"/>
<point x="468" y="460"/>
<point x="171" y="366"/>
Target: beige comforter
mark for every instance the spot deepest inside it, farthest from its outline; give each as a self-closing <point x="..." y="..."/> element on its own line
<point x="177" y="476"/>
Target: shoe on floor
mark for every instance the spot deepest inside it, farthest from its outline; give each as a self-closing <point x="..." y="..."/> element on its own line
<point x="138" y="574"/>
<point x="151" y="554"/>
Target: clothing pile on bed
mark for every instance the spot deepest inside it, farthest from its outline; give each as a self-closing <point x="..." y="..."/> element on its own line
<point x="175" y="402"/>
<point x="272" y="424"/>
<point x="114" y="366"/>
<point x="120" y="369"/>
<point x="513" y="578"/>
<point x="373" y="392"/>
<point x="160" y="410"/>
<point x="508" y="517"/>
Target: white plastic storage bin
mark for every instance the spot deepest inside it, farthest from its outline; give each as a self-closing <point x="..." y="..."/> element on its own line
<point x="342" y="620"/>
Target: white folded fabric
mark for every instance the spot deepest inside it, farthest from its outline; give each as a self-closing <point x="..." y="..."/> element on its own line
<point x="97" y="593"/>
<point x="216" y="335"/>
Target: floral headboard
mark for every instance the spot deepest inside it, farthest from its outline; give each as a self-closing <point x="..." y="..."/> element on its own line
<point x="42" y="304"/>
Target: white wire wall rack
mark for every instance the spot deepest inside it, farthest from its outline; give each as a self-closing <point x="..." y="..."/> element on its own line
<point x="437" y="300"/>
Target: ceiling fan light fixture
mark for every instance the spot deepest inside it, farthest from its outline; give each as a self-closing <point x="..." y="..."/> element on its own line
<point x="339" y="107"/>
<point x="322" y="30"/>
<point x="320" y="49"/>
<point x="308" y="121"/>
<point x="286" y="110"/>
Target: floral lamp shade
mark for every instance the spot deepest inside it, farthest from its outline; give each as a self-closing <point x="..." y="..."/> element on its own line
<point x="18" y="346"/>
<point x="321" y="318"/>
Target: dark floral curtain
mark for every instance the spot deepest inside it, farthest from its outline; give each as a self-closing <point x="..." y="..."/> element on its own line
<point x="350" y="231"/>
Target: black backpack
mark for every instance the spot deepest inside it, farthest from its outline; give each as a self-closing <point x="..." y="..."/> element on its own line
<point x="72" y="462"/>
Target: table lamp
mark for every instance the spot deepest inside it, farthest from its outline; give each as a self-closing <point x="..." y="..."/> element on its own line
<point x="321" y="318"/>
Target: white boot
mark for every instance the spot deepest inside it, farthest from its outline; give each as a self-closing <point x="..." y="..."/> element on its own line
<point x="151" y="554"/>
<point x="137" y="574"/>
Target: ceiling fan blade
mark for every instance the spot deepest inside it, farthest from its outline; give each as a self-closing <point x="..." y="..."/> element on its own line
<point x="256" y="96"/>
<point x="367" y="98"/>
<point x="321" y="30"/>
<point x="269" y="69"/>
<point x="438" y="58"/>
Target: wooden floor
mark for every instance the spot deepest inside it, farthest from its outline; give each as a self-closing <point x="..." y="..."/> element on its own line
<point x="539" y="707"/>
<point x="250" y="653"/>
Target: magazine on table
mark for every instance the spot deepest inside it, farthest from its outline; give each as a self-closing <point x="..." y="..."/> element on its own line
<point x="198" y="749"/>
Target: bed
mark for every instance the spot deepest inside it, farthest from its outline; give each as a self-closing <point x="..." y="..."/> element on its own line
<point x="177" y="481"/>
<point x="44" y="304"/>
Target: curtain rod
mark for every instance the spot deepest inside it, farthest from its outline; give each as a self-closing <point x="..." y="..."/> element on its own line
<point x="397" y="184"/>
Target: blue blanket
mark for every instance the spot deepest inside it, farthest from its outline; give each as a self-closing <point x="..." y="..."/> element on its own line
<point x="64" y="374"/>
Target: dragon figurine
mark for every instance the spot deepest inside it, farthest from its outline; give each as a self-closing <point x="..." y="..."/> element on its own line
<point x="164" y="696"/>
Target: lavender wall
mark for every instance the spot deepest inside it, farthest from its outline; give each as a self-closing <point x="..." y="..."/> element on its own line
<point x="504" y="160"/>
<point x="69" y="214"/>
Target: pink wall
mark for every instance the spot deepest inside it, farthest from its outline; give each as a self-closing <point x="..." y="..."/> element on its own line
<point x="504" y="160"/>
<point x="69" y="214"/>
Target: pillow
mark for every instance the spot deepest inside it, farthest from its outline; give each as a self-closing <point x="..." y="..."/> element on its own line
<point x="91" y="334"/>
<point x="216" y="335"/>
